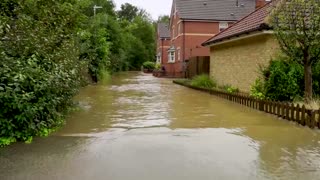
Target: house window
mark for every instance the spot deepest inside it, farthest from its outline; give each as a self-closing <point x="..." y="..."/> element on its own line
<point x="179" y="29"/>
<point x="179" y="54"/>
<point x="171" y="57"/>
<point x="223" y="26"/>
<point x="159" y="58"/>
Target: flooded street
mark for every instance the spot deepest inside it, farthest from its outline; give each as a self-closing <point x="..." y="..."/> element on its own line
<point x="142" y="128"/>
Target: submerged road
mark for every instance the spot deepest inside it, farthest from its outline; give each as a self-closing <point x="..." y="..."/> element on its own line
<point x="142" y="128"/>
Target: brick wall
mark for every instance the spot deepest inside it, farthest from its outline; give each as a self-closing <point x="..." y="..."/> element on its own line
<point x="237" y="63"/>
<point x="188" y="37"/>
<point x="162" y="47"/>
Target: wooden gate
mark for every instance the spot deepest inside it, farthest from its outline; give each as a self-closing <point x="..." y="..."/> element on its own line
<point x="197" y="66"/>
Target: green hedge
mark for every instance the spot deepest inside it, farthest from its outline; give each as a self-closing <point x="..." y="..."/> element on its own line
<point x="40" y="70"/>
<point x="283" y="80"/>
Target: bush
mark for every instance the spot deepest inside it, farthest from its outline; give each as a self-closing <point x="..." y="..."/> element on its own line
<point x="257" y="90"/>
<point x="283" y="81"/>
<point x="203" y="81"/>
<point x="158" y="66"/>
<point x="230" y="89"/>
<point x="149" y="65"/>
<point x="40" y="70"/>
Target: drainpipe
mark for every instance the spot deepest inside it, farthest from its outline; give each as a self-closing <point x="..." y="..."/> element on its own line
<point x="184" y="49"/>
<point x="162" y="51"/>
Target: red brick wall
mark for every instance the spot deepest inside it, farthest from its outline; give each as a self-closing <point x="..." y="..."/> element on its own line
<point x="192" y="34"/>
<point x="162" y="47"/>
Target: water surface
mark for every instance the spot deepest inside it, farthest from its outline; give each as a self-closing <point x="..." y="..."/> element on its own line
<point x="142" y="128"/>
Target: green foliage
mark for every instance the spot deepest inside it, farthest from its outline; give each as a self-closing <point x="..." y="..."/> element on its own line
<point x="296" y="24"/>
<point x="158" y="66"/>
<point x="39" y="67"/>
<point x="203" y="81"/>
<point x="47" y="49"/>
<point x="128" y="12"/>
<point x="164" y="19"/>
<point x="283" y="80"/>
<point x="257" y="90"/>
<point x="149" y="65"/>
<point x="230" y="89"/>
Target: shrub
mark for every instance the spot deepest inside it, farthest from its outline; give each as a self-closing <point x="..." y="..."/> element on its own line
<point x="158" y="66"/>
<point x="203" y="81"/>
<point x="257" y="90"/>
<point x="230" y="89"/>
<point x="40" y="70"/>
<point x="149" y="65"/>
<point x="282" y="80"/>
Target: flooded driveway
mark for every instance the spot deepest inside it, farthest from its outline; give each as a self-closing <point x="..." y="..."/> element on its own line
<point x="143" y="128"/>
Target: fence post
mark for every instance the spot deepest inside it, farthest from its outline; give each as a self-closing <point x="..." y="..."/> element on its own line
<point x="298" y="119"/>
<point x="282" y="111"/>
<point x="292" y="112"/>
<point x="312" y="120"/>
<point x="278" y="109"/>
<point x="261" y="105"/>
<point x="287" y="105"/>
<point x="303" y="116"/>
<point x="318" y="123"/>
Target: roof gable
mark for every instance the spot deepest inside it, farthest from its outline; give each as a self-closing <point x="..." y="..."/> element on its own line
<point x="252" y="22"/>
<point x="220" y="10"/>
<point x="163" y="30"/>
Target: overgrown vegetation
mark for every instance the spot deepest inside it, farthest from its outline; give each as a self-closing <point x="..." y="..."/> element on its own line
<point x="283" y="80"/>
<point x="203" y="81"/>
<point x="149" y="65"/>
<point x="47" y="48"/>
<point x="230" y="89"/>
<point x="296" y="24"/>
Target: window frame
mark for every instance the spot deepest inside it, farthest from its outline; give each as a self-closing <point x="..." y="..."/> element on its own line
<point x="171" y="57"/>
<point x="223" y="26"/>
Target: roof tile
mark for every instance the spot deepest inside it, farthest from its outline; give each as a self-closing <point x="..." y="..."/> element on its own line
<point x="251" y="22"/>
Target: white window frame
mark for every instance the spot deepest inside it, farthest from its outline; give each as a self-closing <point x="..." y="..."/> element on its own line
<point x="223" y="26"/>
<point x="171" y="56"/>
<point x="159" y="58"/>
<point x="179" y="54"/>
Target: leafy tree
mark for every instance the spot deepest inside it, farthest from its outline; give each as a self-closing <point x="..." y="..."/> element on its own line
<point x="128" y="12"/>
<point x="163" y="19"/>
<point x="297" y="24"/>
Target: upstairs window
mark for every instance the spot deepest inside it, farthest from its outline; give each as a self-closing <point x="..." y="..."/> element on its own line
<point x="171" y="57"/>
<point x="223" y="26"/>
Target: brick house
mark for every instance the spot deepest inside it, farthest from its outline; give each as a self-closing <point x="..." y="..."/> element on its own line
<point x="194" y="21"/>
<point x="163" y="42"/>
<point x="237" y="53"/>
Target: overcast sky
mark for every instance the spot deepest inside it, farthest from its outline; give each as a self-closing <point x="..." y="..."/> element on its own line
<point x="154" y="7"/>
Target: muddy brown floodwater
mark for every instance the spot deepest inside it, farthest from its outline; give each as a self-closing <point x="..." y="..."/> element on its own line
<point x="142" y="128"/>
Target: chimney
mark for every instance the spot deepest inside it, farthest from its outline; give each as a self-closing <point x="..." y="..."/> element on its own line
<point x="260" y="3"/>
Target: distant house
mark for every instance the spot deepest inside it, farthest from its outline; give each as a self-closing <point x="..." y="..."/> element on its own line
<point x="194" y="21"/>
<point x="237" y="53"/>
<point x="163" y="43"/>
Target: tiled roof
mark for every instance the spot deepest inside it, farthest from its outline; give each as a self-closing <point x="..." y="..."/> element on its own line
<point x="252" y="22"/>
<point x="163" y="30"/>
<point x="220" y="10"/>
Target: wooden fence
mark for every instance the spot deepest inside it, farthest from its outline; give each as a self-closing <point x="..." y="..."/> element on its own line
<point x="198" y="65"/>
<point x="288" y="111"/>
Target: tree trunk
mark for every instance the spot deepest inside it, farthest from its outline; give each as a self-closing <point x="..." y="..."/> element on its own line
<point x="308" y="82"/>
